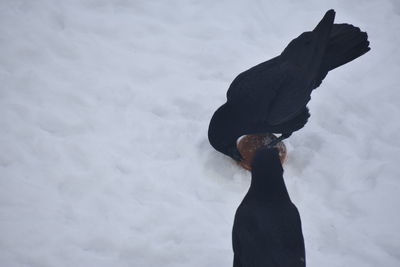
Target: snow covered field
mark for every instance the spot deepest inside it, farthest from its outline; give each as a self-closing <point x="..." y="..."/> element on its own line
<point x="104" y="109"/>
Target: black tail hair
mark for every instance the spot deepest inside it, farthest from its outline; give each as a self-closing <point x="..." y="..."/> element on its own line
<point x="346" y="43"/>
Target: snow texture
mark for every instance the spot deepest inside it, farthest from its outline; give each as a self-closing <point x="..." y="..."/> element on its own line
<point x="104" y="110"/>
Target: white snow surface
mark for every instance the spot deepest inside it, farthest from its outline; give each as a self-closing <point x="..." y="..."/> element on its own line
<point x="105" y="106"/>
